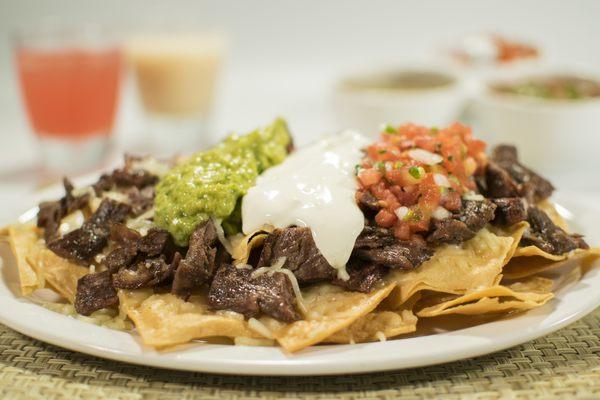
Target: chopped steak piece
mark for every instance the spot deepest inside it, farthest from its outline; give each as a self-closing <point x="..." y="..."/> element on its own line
<point x="373" y="237"/>
<point x="95" y="291"/>
<point x="449" y="230"/>
<point x="464" y="225"/>
<point x="302" y="256"/>
<point x="235" y="289"/>
<point x="476" y="214"/>
<point x="141" y="200"/>
<point x="506" y="177"/>
<point x="125" y="177"/>
<point x="84" y="243"/>
<point x="545" y="235"/>
<point x="367" y="202"/>
<point x="509" y="211"/>
<point x="130" y="244"/>
<point x="204" y="255"/>
<point x="51" y="212"/>
<point x="146" y="273"/>
<point x="363" y="277"/>
<point x="120" y="257"/>
<point x="402" y="254"/>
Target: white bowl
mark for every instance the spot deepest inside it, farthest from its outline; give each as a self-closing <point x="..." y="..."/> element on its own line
<point x="551" y="135"/>
<point x="366" y="109"/>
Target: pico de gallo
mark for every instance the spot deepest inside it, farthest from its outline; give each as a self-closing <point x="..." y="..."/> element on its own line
<point x="418" y="173"/>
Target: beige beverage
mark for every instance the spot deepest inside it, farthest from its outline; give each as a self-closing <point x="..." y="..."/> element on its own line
<point x="176" y="73"/>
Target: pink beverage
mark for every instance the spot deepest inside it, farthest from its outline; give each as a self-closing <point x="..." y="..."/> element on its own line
<point x="70" y="93"/>
<point x="70" y="86"/>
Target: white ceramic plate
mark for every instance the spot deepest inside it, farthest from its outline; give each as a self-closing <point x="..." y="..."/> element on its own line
<point x="573" y="301"/>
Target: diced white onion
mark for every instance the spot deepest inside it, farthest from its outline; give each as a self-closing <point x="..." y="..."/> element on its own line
<point x="424" y="156"/>
<point x="473" y="196"/>
<point x="401" y="212"/>
<point x="221" y="236"/>
<point x="152" y="165"/>
<point x="440" y="213"/>
<point x="441" y="180"/>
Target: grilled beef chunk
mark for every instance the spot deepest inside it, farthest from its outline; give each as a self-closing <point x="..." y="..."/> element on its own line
<point x="125" y="177"/>
<point x="204" y="255"/>
<point x="146" y="273"/>
<point x="373" y="236"/>
<point x="464" y="225"/>
<point x="402" y="254"/>
<point x="302" y="256"/>
<point x="271" y="294"/>
<point x="51" y="212"/>
<point x="95" y="291"/>
<point x="506" y="177"/>
<point x="509" y="211"/>
<point x="368" y="203"/>
<point x="130" y="244"/>
<point x="545" y="235"/>
<point x="84" y="243"/>
<point x="363" y="277"/>
<point x="377" y="245"/>
<point x="141" y="200"/>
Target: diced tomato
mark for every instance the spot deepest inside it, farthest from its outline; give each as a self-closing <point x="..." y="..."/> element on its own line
<point x="451" y="201"/>
<point x="402" y="231"/>
<point x="369" y="177"/>
<point x="385" y="218"/>
<point x="397" y="180"/>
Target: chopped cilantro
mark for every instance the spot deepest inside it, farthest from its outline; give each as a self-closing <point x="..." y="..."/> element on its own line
<point x="398" y="164"/>
<point x="390" y="129"/>
<point x="382" y="151"/>
<point x="450" y="157"/>
<point x="357" y="169"/>
<point x="379" y="165"/>
<point x="434" y="130"/>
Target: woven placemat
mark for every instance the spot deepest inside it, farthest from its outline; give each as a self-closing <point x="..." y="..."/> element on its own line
<point x="565" y="364"/>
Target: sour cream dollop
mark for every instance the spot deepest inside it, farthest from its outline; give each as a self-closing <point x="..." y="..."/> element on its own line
<point x="314" y="187"/>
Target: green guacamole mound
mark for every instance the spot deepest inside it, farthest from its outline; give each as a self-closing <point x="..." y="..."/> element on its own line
<point x="211" y="183"/>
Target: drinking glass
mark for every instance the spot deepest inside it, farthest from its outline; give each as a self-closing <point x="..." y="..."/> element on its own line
<point x="69" y="79"/>
<point x="176" y="75"/>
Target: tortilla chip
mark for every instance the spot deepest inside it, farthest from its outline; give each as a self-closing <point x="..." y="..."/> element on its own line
<point x="61" y="274"/>
<point x="24" y="240"/>
<point x="329" y="310"/>
<point x="379" y="324"/>
<point x="242" y="245"/>
<point x="520" y="267"/>
<point x="165" y="320"/>
<point x="457" y="269"/>
<point x="517" y="297"/>
<point x="550" y="208"/>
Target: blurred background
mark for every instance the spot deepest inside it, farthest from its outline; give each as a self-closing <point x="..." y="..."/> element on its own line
<point x="177" y="76"/>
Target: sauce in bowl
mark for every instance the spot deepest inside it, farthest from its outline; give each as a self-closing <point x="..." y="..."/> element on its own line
<point x="552" y="87"/>
<point x="402" y="80"/>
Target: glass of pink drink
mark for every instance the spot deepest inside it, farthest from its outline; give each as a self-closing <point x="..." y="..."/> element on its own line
<point x="70" y="85"/>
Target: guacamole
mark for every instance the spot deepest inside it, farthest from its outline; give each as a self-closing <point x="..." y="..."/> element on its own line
<point x="210" y="183"/>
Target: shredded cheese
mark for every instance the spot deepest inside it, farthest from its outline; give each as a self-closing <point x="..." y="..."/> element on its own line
<point x="260" y="328"/>
<point x="381" y="336"/>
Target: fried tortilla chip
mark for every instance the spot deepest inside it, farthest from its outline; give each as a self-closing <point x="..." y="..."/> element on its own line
<point x="329" y="309"/>
<point x="379" y="325"/>
<point x="24" y="240"/>
<point x="457" y="269"/>
<point x="520" y="296"/>
<point x="241" y="246"/>
<point x="165" y="320"/>
<point x="521" y="267"/>
<point x="61" y="274"/>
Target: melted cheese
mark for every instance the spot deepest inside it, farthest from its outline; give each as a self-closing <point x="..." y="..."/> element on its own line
<point x="314" y="187"/>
